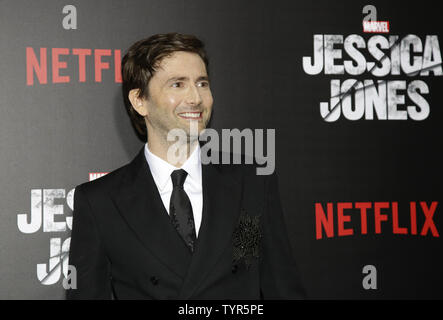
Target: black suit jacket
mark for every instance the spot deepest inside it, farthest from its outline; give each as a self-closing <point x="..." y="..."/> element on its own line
<point x="123" y="244"/>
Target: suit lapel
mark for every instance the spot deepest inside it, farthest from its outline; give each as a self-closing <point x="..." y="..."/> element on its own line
<point x="140" y="204"/>
<point x="221" y="207"/>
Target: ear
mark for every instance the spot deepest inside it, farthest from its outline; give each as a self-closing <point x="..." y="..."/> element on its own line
<point x="138" y="103"/>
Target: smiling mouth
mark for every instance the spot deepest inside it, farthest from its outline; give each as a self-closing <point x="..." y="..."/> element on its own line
<point x="191" y="115"/>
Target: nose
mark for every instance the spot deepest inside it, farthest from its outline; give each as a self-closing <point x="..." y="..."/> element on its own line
<point x="193" y="96"/>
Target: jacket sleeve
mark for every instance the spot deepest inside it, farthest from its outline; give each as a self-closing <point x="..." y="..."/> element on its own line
<point x="87" y="254"/>
<point x="279" y="274"/>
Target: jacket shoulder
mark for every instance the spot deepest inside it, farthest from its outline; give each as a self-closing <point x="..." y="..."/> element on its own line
<point x="105" y="183"/>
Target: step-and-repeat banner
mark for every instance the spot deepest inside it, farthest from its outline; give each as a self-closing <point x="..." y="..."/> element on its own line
<point x="353" y="90"/>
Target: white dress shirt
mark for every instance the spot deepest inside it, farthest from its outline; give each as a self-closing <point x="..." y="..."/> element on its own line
<point x="161" y="172"/>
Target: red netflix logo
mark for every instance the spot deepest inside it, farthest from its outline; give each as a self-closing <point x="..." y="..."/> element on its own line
<point x="39" y="66"/>
<point x="381" y="213"/>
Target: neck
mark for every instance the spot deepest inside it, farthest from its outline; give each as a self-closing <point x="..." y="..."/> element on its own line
<point x="178" y="153"/>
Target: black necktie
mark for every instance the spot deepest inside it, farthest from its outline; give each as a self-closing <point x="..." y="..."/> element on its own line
<point x="180" y="209"/>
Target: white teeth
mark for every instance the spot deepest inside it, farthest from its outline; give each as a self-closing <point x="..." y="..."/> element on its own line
<point x="191" y="115"/>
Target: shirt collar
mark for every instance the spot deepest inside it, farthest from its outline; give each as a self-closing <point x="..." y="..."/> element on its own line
<point x="161" y="170"/>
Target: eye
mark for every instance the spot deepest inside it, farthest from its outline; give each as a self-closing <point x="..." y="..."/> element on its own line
<point x="203" y="84"/>
<point x="178" y="84"/>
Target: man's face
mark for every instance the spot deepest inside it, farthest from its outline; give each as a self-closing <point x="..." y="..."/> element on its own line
<point x="179" y="94"/>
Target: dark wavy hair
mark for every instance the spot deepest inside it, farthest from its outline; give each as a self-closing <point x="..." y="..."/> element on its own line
<point x="141" y="61"/>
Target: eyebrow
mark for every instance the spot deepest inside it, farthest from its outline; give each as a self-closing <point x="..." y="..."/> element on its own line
<point x="186" y="78"/>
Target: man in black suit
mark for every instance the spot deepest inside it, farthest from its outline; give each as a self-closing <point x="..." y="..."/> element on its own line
<point x="173" y="228"/>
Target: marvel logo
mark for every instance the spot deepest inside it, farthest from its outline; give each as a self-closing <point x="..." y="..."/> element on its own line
<point x="96" y="175"/>
<point x="376" y="26"/>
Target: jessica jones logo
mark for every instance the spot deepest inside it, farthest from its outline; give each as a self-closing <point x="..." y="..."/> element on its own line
<point x="379" y="56"/>
<point x="51" y="213"/>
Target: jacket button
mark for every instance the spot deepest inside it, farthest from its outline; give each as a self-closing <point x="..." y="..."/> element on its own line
<point x="234" y="268"/>
<point x="154" y="280"/>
